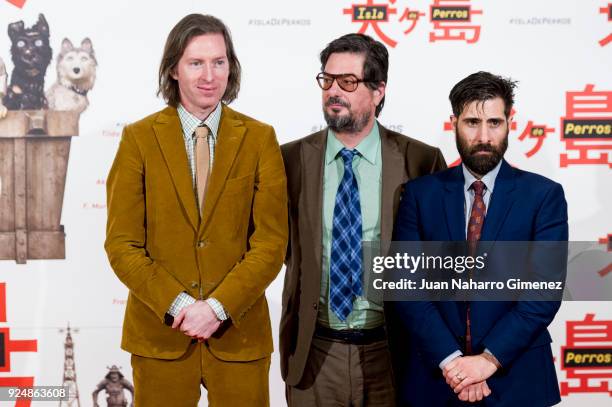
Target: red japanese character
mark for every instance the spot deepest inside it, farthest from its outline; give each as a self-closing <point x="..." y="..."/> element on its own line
<point x="454" y="21"/>
<point x="2" y="302"/>
<point x="608" y="242"/>
<point x="535" y="131"/>
<point x="17" y="3"/>
<point x="586" y="356"/>
<point x="371" y="14"/>
<point x="605" y="271"/>
<point x="608" y="11"/>
<point x="412" y="16"/>
<point x="9" y="346"/>
<point x="587" y="126"/>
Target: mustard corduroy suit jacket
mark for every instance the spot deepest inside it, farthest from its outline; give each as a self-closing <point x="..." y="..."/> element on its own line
<point x="159" y="245"/>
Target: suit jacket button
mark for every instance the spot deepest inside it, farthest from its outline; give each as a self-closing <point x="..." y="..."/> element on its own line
<point x="202" y="243"/>
<point x="194" y="284"/>
<point x="315" y="305"/>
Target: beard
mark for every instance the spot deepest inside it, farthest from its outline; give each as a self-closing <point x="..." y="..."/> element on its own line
<point x="348" y="123"/>
<point x="481" y="164"/>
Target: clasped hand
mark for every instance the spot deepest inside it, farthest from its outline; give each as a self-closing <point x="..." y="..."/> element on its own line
<point x="467" y="376"/>
<point x="197" y="320"/>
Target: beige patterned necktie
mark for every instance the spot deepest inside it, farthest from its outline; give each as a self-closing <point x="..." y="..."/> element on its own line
<point x="202" y="159"/>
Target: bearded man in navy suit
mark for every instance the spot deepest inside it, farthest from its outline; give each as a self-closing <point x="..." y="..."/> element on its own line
<point x="489" y="353"/>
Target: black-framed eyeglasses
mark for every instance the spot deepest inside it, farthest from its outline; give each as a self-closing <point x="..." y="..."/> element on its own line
<point x="346" y="81"/>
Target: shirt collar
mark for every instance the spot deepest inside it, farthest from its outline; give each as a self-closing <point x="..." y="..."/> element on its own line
<point x="488" y="178"/>
<point x="189" y="122"/>
<point x="368" y="147"/>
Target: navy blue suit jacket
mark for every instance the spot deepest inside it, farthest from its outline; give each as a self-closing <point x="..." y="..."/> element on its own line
<point x="523" y="207"/>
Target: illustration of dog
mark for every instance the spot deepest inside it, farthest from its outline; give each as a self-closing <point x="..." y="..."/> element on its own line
<point x="31" y="55"/>
<point x="76" y="74"/>
<point x="3" y="76"/>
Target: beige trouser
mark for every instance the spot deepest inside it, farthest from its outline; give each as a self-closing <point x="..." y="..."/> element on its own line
<point x="176" y="383"/>
<point x="344" y="375"/>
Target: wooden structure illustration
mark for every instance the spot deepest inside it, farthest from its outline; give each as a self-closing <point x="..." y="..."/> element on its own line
<point x="34" y="150"/>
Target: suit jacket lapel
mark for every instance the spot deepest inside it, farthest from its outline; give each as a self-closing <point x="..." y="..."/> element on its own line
<point x="169" y="135"/>
<point x="313" y="157"/>
<point x="500" y="203"/>
<point x="229" y="137"/>
<point x="393" y="176"/>
<point x="454" y="204"/>
<point x="454" y="211"/>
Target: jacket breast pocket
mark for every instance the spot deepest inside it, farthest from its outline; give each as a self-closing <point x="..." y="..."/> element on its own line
<point x="234" y="207"/>
<point x="239" y="185"/>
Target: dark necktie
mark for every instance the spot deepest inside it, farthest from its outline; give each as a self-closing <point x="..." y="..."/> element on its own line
<point x="346" y="259"/>
<point x="474" y="230"/>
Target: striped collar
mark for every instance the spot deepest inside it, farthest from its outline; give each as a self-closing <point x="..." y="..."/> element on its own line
<point x="189" y="122"/>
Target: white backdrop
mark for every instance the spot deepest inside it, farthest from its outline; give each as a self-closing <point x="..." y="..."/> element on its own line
<point x="552" y="47"/>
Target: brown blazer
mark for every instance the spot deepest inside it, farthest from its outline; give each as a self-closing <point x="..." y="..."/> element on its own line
<point x="158" y="246"/>
<point x="403" y="159"/>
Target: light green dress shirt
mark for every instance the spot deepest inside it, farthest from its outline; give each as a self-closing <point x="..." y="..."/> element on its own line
<point x="367" y="167"/>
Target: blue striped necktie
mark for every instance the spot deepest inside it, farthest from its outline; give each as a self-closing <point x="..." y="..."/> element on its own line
<point x="346" y="258"/>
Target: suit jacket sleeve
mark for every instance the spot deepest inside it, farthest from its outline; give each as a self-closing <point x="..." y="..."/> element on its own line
<point x="126" y="231"/>
<point x="421" y="318"/>
<point x="248" y="279"/>
<point x="514" y="333"/>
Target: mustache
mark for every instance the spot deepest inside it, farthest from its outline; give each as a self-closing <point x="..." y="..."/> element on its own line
<point x="482" y="147"/>
<point x="333" y="100"/>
